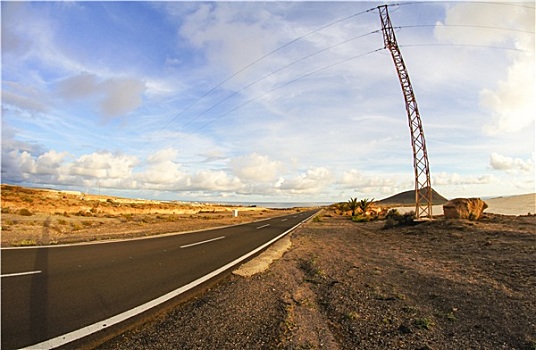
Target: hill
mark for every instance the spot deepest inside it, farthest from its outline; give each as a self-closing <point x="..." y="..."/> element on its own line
<point x="408" y="198"/>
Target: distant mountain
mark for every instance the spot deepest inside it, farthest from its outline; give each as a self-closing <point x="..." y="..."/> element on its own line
<point x="408" y="198"/>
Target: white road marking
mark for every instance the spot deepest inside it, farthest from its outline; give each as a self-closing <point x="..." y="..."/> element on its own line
<point x="95" y="327"/>
<point x="263" y="226"/>
<point x="20" y="274"/>
<point x="284" y="220"/>
<point x="203" y="242"/>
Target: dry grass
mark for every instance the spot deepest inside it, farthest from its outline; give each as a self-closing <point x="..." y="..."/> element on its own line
<point x="78" y="218"/>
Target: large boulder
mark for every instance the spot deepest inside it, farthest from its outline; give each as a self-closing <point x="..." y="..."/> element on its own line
<point x="464" y="208"/>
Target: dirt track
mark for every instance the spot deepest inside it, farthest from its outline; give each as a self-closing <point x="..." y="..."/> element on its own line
<point x="345" y="285"/>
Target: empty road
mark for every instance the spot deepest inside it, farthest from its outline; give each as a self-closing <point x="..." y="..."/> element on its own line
<point x="54" y="295"/>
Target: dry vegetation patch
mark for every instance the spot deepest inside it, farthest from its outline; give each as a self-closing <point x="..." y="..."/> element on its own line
<point x="76" y="217"/>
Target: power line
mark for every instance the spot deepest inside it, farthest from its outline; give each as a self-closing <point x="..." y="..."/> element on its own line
<point x="316" y="71"/>
<point x="467" y="45"/>
<point x="279" y="87"/>
<point x="464" y="26"/>
<point x="472" y="2"/>
<point x="255" y="62"/>
<point x="279" y="70"/>
<point x="324" y="68"/>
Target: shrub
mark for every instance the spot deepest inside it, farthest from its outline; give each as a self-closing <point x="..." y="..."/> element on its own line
<point x="317" y="219"/>
<point x="424" y="323"/>
<point x="394" y="218"/>
<point x="172" y="218"/>
<point x="25" y="242"/>
<point x="25" y="212"/>
<point x="360" y="218"/>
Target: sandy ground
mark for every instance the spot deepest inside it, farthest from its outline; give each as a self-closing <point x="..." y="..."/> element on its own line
<point x="510" y="205"/>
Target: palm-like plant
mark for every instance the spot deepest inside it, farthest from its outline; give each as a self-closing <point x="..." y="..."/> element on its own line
<point x="364" y="204"/>
<point x="353" y="205"/>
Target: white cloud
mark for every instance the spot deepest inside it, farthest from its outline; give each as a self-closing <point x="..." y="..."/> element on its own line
<point x="162" y="172"/>
<point x="214" y="180"/>
<point x="163" y="155"/>
<point x="355" y="179"/>
<point x="165" y="175"/>
<point x="255" y="168"/>
<point x="104" y="165"/>
<point x="443" y="179"/>
<point x="373" y="185"/>
<point x="511" y="165"/>
<point x="222" y="30"/>
<point x="314" y="180"/>
<point x="50" y="162"/>
<point x="511" y="102"/>
<point x="26" y="163"/>
<point x="487" y="16"/>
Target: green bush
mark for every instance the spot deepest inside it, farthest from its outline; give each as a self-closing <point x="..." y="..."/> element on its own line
<point x="424" y="323"/>
<point x="394" y="218"/>
<point x="361" y="218"/>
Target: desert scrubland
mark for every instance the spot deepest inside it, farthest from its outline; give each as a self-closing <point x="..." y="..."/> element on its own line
<point x="72" y="217"/>
<point x="338" y="284"/>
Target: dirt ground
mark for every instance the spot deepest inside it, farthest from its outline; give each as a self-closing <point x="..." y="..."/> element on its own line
<point x="76" y="217"/>
<point x="347" y="285"/>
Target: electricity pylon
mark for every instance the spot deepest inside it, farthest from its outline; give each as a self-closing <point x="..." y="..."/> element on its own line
<point x="423" y="188"/>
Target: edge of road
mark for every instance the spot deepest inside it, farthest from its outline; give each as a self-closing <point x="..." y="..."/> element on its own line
<point x="111" y="321"/>
<point x="119" y="240"/>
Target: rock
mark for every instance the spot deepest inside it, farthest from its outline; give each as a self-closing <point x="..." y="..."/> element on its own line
<point x="464" y="208"/>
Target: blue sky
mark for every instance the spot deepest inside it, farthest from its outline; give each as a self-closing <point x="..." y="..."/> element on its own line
<point x="208" y="100"/>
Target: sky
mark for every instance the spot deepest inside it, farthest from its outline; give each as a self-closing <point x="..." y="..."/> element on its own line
<point x="265" y="101"/>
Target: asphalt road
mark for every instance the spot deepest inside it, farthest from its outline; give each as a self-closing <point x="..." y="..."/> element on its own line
<point x="51" y="295"/>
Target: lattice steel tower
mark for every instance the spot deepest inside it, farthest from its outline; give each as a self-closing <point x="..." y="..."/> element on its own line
<point x="423" y="188"/>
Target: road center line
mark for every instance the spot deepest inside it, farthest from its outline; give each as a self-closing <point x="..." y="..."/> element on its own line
<point x="263" y="226"/>
<point x="284" y="220"/>
<point x="20" y="274"/>
<point x="203" y="242"/>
